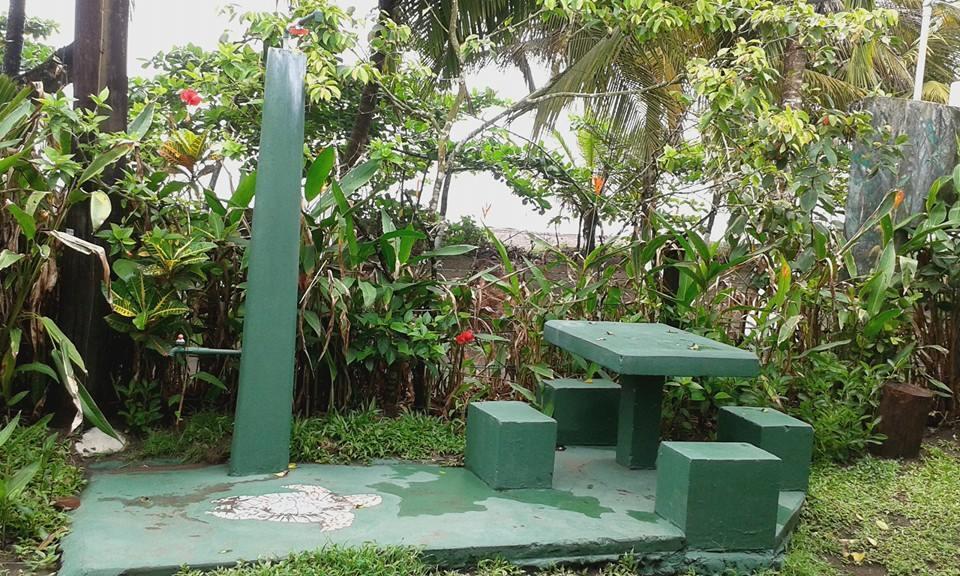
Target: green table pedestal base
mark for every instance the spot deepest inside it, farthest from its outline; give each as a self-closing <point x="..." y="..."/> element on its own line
<point x="638" y="431"/>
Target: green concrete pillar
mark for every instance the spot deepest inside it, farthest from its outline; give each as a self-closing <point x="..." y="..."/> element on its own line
<point x="638" y="429"/>
<point x="510" y="445"/>
<point x="784" y="436"/>
<point x="261" y="435"/>
<point x="723" y="495"/>
<point x="586" y="412"/>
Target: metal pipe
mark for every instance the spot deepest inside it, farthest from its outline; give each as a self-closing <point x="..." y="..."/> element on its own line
<point x="927" y="15"/>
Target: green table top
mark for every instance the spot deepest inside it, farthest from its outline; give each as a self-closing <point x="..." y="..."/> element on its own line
<point x="649" y="349"/>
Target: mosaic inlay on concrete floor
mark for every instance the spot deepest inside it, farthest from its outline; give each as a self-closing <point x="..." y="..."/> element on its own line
<point x="158" y="520"/>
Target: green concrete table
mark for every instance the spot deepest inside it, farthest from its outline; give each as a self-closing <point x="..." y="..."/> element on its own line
<point x="644" y="355"/>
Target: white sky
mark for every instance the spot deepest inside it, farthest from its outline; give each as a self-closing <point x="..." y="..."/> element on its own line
<point x="158" y="25"/>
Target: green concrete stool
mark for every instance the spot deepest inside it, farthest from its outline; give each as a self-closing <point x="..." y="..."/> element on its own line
<point x="510" y="445"/>
<point x="723" y="495"/>
<point x="783" y="436"/>
<point x="586" y="412"/>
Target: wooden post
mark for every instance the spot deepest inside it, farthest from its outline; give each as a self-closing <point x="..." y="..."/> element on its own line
<point x="99" y="61"/>
<point x="903" y="419"/>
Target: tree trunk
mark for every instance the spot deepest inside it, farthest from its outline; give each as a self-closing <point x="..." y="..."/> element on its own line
<point x="13" y="48"/>
<point x="794" y="65"/>
<point x="99" y="61"/>
<point x="360" y="134"/>
<point x="903" y="419"/>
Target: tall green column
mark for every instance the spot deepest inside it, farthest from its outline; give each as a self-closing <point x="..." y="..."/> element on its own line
<point x="261" y="435"/>
<point x="638" y="430"/>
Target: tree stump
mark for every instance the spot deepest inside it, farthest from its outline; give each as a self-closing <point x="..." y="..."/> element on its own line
<point x="903" y="418"/>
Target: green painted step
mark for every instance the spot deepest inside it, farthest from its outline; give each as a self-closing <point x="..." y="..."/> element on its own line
<point x="784" y="436"/>
<point x="723" y="495"/>
<point x="510" y="445"/>
<point x="586" y="412"/>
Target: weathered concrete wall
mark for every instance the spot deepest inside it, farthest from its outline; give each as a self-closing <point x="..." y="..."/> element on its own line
<point x="930" y="153"/>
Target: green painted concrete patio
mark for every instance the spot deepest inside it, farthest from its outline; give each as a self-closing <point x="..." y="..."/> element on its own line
<point x="156" y="520"/>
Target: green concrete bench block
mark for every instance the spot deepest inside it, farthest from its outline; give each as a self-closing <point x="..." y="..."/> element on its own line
<point x="723" y="495"/>
<point x="783" y="436"/>
<point x="586" y="412"/>
<point x="510" y="445"/>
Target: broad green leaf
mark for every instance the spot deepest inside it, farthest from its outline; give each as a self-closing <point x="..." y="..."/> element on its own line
<point x="18" y="483"/>
<point x="8" y="258"/>
<point x="245" y="191"/>
<point x="40" y="368"/>
<point x="11" y="120"/>
<point x="61" y="341"/>
<point x="359" y="176"/>
<point x="8" y="429"/>
<point x="809" y="200"/>
<point x="9" y="161"/>
<point x="788" y="328"/>
<point x="451" y="250"/>
<point x="100" y="208"/>
<point x="125" y="269"/>
<point x="33" y="201"/>
<point x="93" y="413"/>
<point x="369" y="293"/>
<point x="102" y="161"/>
<point x="319" y="173"/>
<point x="877" y="323"/>
<point x="210" y="379"/>
<point x="404" y="233"/>
<point x="825" y="347"/>
<point x="141" y="124"/>
<point x="311" y="318"/>
<point x="26" y="221"/>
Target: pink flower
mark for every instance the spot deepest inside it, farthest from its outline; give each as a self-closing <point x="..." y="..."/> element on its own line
<point x="464" y="337"/>
<point x="190" y="97"/>
<point x="298" y="30"/>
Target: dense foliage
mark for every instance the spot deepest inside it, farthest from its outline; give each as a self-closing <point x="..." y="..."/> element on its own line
<point x="725" y="175"/>
<point x="378" y="321"/>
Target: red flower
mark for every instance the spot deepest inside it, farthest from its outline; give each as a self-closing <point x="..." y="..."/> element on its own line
<point x="464" y="337"/>
<point x="825" y="121"/>
<point x="298" y="30"/>
<point x="190" y="97"/>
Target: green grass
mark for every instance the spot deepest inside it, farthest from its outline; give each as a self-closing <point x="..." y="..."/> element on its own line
<point x="32" y="525"/>
<point x="205" y="438"/>
<point x="372" y="561"/>
<point x="366" y="436"/>
<point x="898" y="518"/>
<point x="358" y="437"/>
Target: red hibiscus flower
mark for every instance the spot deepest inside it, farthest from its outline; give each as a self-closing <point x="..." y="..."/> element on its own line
<point x="464" y="337"/>
<point x="298" y="30"/>
<point x="190" y="97"/>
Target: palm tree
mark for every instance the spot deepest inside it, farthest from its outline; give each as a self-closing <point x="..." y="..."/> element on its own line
<point x="642" y="77"/>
